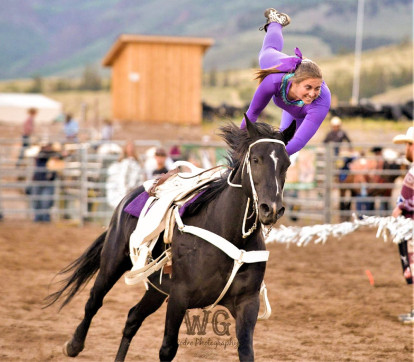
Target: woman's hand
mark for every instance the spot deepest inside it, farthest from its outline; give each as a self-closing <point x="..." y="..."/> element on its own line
<point x="396" y="212"/>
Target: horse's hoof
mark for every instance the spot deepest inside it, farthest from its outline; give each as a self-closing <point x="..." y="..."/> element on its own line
<point x="68" y="350"/>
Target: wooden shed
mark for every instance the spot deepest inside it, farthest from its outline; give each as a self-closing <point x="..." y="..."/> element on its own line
<point x="157" y="78"/>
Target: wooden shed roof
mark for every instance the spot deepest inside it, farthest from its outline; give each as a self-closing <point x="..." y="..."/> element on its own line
<point x="123" y="39"/>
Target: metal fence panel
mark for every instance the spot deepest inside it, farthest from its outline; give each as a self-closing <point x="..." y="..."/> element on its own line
<point x="79" y="191"/>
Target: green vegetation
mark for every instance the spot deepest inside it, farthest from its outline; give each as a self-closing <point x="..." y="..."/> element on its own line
<point x="91" y="80"/>
<point x="384" y="78"/>
<point x="382" y="69"/>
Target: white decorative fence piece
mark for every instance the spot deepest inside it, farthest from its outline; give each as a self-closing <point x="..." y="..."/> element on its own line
<point x="398" y="229"/>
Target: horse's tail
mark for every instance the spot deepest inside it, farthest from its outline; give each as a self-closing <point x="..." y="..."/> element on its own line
<point x="82" y="269"/>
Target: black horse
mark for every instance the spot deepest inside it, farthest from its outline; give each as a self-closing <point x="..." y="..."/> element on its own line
<point x="199" y="270"/>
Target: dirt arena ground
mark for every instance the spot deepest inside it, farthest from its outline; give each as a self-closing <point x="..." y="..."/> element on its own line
<point x="324" y="308"/>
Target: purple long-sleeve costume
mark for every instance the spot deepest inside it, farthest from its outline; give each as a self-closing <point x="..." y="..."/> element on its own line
<point x="308" y="116"/>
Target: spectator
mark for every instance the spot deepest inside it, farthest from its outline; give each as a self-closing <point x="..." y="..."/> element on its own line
<point x="123" y="175"/>
<point x="379" y="178"/>
<point x="175" y="153"/>
<point x="71" y="129"/>
<point x="346" y="193"/>
<point x="107" y="131"/>
<point x="28" y="129"/>
<point x="405" y="207"/>
<point x="160" y="158"/>
<point x="43" y="187"/>
<point x="361" y="167"/>
<point x="337" y="135"/>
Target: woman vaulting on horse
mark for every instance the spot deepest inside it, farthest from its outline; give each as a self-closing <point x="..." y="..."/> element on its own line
<point x="294" y="83"/>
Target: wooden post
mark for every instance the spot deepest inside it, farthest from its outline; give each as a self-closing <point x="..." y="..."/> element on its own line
<point x="328" y="182"/>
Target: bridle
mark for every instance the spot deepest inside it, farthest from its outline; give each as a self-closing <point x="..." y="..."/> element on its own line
<point x="247" y="165"/>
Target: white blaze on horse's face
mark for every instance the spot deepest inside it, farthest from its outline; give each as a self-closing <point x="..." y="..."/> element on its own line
<point x="275" y="159"/>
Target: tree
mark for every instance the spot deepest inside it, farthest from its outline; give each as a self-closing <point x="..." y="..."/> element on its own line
<point x="213" y="78"/>
<point x="62" y="85"/>
<point x="91" y="79"/>
<point x="37" y="85"/>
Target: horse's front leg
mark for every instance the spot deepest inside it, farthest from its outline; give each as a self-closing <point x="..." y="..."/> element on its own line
<point x="151" y="301"/>
<point x="175" y="313"/>
<point x="246" y="312"/>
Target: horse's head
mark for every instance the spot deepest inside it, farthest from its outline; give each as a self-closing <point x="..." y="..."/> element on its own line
<point x="264" y="173"/>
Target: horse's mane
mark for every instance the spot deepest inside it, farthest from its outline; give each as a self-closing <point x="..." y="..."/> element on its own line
<point x="238" y="141"/>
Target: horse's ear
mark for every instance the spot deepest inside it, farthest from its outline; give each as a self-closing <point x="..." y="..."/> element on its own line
<point x="289" y="132"/>
<point x="251" y="129"/>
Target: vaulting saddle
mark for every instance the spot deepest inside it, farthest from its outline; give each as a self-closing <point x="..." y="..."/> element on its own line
<point x="170" y="191"/>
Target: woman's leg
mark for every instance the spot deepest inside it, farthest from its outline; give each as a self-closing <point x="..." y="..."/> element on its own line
<point x="272" y="47"/>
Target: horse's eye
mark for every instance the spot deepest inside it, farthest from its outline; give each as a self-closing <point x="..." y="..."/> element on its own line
<point x="255" y="160"/>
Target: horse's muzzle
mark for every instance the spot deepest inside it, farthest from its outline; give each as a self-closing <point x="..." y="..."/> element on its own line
<point x="270" y="214"/>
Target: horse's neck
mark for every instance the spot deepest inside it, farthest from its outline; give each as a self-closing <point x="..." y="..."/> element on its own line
<point x="227" y="212"/>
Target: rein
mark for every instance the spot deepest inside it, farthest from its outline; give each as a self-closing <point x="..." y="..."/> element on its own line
<point x="247" y="165"/>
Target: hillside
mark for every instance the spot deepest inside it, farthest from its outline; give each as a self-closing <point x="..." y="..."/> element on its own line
<point x="381" y="72"/>
<point x="60" y="38"/>
<point x="384" y="79"/>
<point x="396" y="95"/>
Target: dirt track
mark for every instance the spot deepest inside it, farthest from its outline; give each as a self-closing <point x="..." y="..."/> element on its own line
<point x="324" y="308"/>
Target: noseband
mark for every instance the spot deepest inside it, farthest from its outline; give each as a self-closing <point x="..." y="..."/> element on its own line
<point x="246" y="164"/>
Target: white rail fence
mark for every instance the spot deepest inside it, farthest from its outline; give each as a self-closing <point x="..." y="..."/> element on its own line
<point x="79" y="191"/>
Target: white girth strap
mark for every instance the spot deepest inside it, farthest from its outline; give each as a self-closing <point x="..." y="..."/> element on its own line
<point x="238" y="255"/>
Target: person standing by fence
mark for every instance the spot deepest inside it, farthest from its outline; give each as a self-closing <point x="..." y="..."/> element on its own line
<point x="28" y="129"/>
<point x="362" y="167"/>
<point x="337" y="135"/>
<point x="405" y="207"/>
<point x="107" y="131"/>
<point x="71" y="129"/>
<point x="42" y="189"/>
<point x="160" y="158"/>
<point x="123" y="175"/>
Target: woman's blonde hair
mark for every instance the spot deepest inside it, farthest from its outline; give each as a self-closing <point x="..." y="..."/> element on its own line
<point x="307" y="69"/>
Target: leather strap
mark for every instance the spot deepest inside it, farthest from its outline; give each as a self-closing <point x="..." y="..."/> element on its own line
<point x="239" y="256"/>
<point x="230" y="249"/>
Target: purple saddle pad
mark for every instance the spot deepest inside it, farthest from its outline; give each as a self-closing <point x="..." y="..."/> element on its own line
<point x="136" y="205"/>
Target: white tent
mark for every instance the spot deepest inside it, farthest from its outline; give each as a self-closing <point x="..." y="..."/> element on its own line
<point x="14" y="106"/>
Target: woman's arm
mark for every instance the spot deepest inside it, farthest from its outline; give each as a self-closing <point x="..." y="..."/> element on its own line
<point x="286" y="120"/>
<point x="307" y="129"/>
<point x="311" y="123"/>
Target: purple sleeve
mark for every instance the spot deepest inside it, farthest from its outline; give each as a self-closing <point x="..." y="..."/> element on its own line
<point x="307" y="128"/>
<point x="286" y="120"/>
<point x="261" y="99"/>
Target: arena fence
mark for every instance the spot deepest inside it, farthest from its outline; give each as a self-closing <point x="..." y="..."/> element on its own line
<point x="314" y="192"/>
